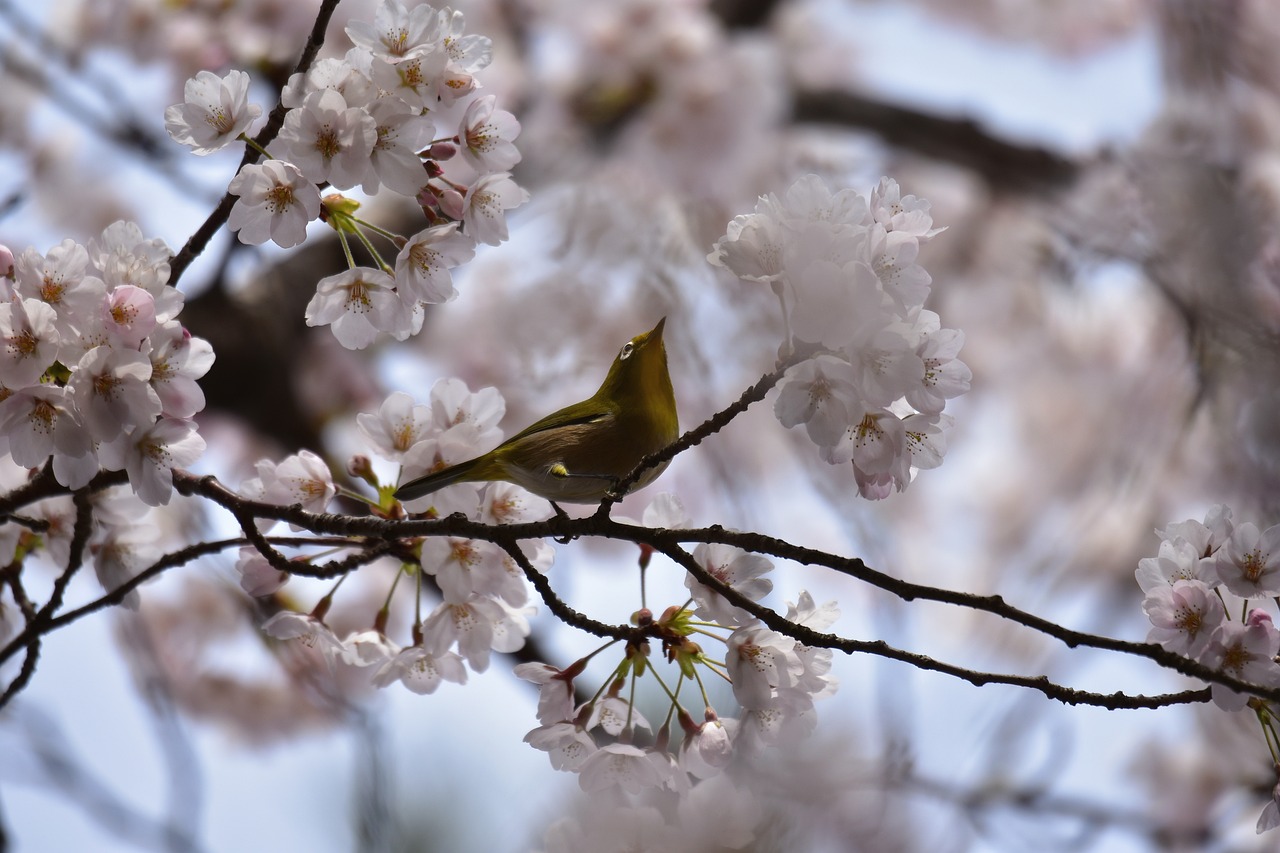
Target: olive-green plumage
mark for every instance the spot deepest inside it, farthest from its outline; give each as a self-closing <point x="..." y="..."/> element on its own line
<point x="578" y="454"/>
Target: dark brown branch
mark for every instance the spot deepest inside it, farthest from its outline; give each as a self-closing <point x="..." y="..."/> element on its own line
<point x="200" y="239"/>
<point x="664" y="540"/>
<point x="1003" y="165"/>
<point x="809" y="637"/>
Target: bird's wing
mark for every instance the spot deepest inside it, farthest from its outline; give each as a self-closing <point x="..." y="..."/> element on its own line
<point x="578" y="415"/>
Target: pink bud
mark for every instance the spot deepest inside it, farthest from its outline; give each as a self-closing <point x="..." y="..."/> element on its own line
<point x="6" y="262"/>
<point x="1259" y="617"/>
<point x="452" y="204"/>
<point x="443" y="150"/>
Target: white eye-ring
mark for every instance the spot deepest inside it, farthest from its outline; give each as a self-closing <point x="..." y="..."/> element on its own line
<point x="627" y="349"/>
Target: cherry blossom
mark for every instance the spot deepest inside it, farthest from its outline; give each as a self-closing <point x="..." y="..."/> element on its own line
<point x="421" y="671"/>
<point x="487" y="201"/>
<point x="276" y="201"/>
<point x="328" y="140"/>
<point x="214" y="112"/>
<point x="1184" y="616"/>
<point x="423" y="265"/>
<point x="357" y="305"/>
<point x="737" y="569"/>
<point x="1248" y="563"/>
<point x="150" y="454"/>
<point x="398" y="424"/>
<point x="401" y="134"/>
<point x="487" y="135"/>
<point x="112" y="391"/>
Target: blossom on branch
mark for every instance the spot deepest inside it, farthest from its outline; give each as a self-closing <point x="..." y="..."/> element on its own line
<point x="214" y="112"/>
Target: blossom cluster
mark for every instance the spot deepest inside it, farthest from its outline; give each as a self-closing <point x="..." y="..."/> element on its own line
<point x="610" y="744"/>
<point x="1203" y="573"/>
<point x="844" y="267"/>
<point x="96" y="371"/>
<point x="399" y="111"/>
<point x="483" y="592"/>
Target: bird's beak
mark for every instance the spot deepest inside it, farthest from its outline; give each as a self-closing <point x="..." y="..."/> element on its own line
<point x="655" y="334"/>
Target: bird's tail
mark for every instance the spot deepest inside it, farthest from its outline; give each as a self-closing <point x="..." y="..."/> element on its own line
<point x="429" y="483"/>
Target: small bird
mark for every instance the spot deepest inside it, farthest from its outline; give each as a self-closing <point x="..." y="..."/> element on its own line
<point x="580" y="453"/>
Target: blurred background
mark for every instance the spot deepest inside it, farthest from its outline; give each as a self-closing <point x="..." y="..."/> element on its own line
<point x="1110" y="179"/>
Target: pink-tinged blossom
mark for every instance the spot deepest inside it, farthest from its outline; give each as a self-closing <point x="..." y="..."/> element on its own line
<point x="28" y="341"/>
<point x="275" y="203"/>
<point x="401" y="133"/>
<point x="814" y="676"/>
<point x="423" y="265"/>
<point x="479" y="626"/>
<point x="893" y="257"/>
<point x="788" y="718"/>
<point x="414" y="79"/>
<point x="75" y="472"/>
<point x="456" y="444"/>
<point x="832" y="302"/>
<point x="614" y="715"/>
<point x="926" y="439"/>
<point x="177" y="361"/>
<point x="453" y="403"/>
<point x="1206" y="537"/>
<point x="306" y="629"/>
<point x="944" y="377"/>
<point x="507" y="503"/>
<point x="356" y="305"/>
<point x="420" y="670"/>
<point x="112" y="392"/>
<point x="487" y="135"/>
<point x="1178" y="560"/>
<point x="666" y="511"/>
<point x="368" y="648"/>
<point x="566" y="745"/>
<point x="618" y="765"/>
<point x="463" y="567"/>
<point x="555" y="691"/>
<point x="53" y="277"/>
<point x="398" y="424"/>
<point x="329" y="141"/>
<point x="397" y="32"/>
<point x="150" y="454"/>
<point x="467" y="53"/>
<point x="124" y="256"/>
<point x="809" y="201"/>
<point x="876" y="445"/>
<point x="752" y="247"/>
<point x="737" y="569"/>
<point x="1245" y="651"/>
<point x="706" y="752"/>
<point x="257" y="576"/>
<point x="885" y="366"/>
<point x="905" y="214"/>
<point x="758" y="662"/>
<point x="1184" y="616"/>
<point x="41" y="420"/>
<point x="1270" y="817"/>
<point x="349" y="76"/>
<point x="215" y="110"/>
<point x="302" y="478"/>
<point x="121" y="551"/>
<point x="487" y="201"/>
<point x="1249" y="563"/>
<point x="820" y="393"/>
<point x="129" y="315"/>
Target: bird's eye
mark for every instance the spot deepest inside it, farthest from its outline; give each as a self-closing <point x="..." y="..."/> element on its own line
<point x="627" y="349"/>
